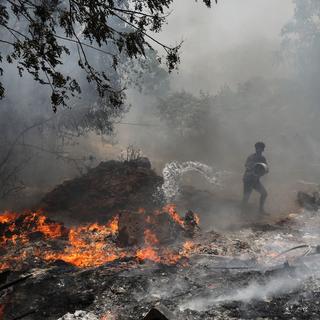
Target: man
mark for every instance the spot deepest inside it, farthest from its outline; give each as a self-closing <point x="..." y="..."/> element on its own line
<point x="256" y="166"/>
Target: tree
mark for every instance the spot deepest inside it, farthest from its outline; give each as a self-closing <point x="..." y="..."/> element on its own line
<point x="186" y="114"/>
<point x="191" y="126"/>
<point x="38" y="34"/>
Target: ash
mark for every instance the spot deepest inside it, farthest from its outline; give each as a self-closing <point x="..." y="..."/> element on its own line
<point x="237" y="275"/>
<point x="79" y="315"/>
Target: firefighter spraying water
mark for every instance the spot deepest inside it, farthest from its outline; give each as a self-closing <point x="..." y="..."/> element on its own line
<point x="255" y="167"/>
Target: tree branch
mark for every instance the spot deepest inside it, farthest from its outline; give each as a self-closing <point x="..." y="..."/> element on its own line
<point x="7" y="156"/>
<point x="143" y="32"/>
<point x="7" y="42"/>
<point x="85" y="44"/>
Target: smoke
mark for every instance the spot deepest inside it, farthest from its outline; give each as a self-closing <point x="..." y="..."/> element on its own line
<point x="230" y="53"/>
<point x="235" y="54"/>
<point x="44" y="148"/>
<point x="265" y="291"/>
<point x="236" y="41"/>
<point x="272" y="250"/>
<point x="253" y="291"/>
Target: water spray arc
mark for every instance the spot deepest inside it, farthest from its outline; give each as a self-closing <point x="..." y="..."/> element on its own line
<point x="173" y="172"/>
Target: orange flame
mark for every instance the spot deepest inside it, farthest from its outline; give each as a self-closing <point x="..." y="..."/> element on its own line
<point x="8" y="217"/>
<point x="83" y="246"/>
<point x="88" y="246"/>
<point x="148" y="253"/>
<point x="171" y="209"/>
<point x="188" y="247"/>
<point x="4" y="266"/>
<point x="114" y="225"/>
<point x="30" y="223"/>
<point x="150" y="238"/>
<point x="52" y="230"/>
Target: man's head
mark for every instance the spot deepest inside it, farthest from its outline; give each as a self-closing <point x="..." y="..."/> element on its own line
<point x="259" y="147"/>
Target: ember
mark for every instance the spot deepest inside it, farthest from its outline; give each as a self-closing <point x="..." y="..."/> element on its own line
<point x="150" y="238"/>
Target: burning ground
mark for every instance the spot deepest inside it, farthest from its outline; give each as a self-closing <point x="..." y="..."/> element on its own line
<point x="141" y="258"/>
<point x="33" y="239"/>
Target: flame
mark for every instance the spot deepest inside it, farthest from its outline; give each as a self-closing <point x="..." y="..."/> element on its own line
<point x="171" y="209"/>
<point x="153" y="253"/>
<point x="171" y="257"/>
<point x="165" y="256"/>
<point x="150" y="238"/>
<point x="88" y="246"/>
<point x="4" y="266"/>
<point x="82" y="246"/>
<point x="8" y="217"/>
<point x="28" y="224"/>
<point x="188" y="247"/>
<point x="114" y="225"/>
<point x="148" y="253"/>
<point x="83" y="258"/>
<point x="50" y="230"/>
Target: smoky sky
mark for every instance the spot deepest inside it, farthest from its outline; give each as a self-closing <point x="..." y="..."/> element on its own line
<point x="229" y="43"/>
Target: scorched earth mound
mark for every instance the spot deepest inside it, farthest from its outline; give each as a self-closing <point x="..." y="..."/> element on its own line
<point x="104" y="190"/>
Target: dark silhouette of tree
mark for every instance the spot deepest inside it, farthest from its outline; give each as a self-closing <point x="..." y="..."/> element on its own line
<point x="38" y="34"/>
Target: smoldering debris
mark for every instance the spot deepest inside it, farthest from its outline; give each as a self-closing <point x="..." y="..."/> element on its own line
<point x="222" y="275"/>
<point x="79" y="315"/>
<point x="123" y="268"/>
<point x="308" y="201"/>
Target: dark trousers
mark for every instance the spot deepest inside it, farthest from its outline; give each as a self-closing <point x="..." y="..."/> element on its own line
<point x="248" y="186"/>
